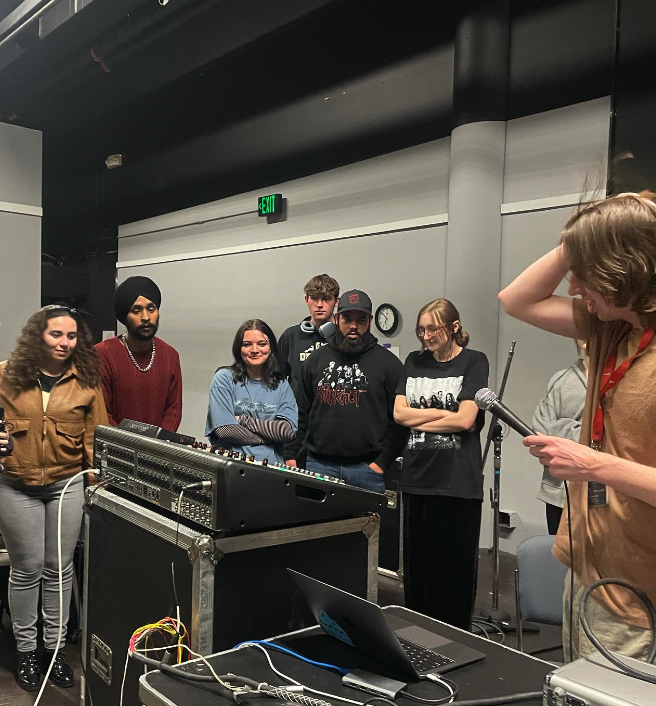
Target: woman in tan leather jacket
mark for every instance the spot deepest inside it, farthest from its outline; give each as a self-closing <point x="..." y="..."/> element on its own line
<point x="50" y="390"/>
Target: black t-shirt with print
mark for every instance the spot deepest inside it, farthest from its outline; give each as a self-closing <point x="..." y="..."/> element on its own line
<point x="443" y="464"/>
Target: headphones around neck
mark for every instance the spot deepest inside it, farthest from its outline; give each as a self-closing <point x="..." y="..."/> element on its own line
<point x="325" y="330"/>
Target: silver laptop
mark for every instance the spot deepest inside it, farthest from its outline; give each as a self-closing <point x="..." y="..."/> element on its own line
<point x="411" y="650"/>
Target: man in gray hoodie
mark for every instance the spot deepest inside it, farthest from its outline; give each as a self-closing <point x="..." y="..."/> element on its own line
<point x="559" y="414"/>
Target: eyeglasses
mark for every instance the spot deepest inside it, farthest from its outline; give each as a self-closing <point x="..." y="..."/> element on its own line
<point x="430" y="331"/>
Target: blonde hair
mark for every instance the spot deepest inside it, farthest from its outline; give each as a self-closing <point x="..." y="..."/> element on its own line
<point x="445" y="314"/>
<point x="610" y="247"/>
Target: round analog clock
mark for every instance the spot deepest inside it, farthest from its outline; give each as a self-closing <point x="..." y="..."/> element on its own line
<point x="387" y="319"/>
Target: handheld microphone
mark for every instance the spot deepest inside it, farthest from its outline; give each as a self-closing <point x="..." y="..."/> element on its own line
<point x="3" y="424"/>
<point x="487" y="400"/>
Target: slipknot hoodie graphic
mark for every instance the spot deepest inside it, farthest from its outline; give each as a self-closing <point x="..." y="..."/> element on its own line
<point x="342" y="384"/>
<point x="346" y="404"/>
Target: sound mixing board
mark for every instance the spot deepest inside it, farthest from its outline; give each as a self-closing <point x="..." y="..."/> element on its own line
<point x="241" y="494"/>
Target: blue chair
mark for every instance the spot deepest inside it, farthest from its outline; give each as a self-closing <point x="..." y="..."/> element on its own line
<point x="539" y="584"/>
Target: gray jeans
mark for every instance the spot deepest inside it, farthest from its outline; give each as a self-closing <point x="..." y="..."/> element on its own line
<point x="28" y="523"/>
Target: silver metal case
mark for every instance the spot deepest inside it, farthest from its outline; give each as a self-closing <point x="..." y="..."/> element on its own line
<point x="594" y="681"/>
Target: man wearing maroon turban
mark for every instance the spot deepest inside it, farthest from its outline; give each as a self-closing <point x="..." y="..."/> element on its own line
<point x="141" y="377"/>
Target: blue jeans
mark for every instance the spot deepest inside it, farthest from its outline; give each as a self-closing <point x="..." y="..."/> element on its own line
<point x="358" y="474"/>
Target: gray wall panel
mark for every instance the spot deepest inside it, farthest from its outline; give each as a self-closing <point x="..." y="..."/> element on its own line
<point x="554" y="153"/>
<point x="403" y="185"/>
<point x="20" y="165"/>
<point x="526" y="237"/>
<point x="20" y="275"/>
<point x="204" y="301"/>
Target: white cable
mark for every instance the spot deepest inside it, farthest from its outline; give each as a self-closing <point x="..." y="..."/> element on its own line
<point x="194" y="654"/>
<point x="432" y="677"/>
<point x="481" y="628"/>
<point x="437" y="679"/>
<point x="297" y="683"/>
<point x="125" y="671"/>
<point x="61" y="584"/>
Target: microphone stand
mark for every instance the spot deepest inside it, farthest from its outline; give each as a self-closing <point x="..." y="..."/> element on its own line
<point x="494" y="616"/>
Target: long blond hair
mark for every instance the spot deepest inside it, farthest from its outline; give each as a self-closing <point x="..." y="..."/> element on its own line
<point x="445" y="314"/>
<point x="610" y="247"/>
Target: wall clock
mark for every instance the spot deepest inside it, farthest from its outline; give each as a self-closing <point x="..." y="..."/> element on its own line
<point x="387" y="319"/>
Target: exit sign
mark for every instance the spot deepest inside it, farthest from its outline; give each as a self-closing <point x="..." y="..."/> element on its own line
<point x="270" y="205"/>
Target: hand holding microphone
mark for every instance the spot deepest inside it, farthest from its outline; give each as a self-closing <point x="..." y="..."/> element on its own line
<point x="566" y="459"/>
<point x="487" y="400"/>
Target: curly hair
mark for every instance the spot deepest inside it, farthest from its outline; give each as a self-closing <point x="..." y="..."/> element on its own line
<point x="610" y="246"/>
<point x="271" y="373"/>
<point x="25" y="361"/>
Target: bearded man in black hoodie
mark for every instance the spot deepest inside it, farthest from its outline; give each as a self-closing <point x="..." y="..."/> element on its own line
<point x="346" y="401"/>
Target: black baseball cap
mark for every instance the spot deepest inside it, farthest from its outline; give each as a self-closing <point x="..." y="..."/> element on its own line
<point x="354" y="299"/>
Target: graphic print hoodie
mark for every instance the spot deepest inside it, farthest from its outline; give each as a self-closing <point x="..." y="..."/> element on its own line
<point x="346" y="405"/>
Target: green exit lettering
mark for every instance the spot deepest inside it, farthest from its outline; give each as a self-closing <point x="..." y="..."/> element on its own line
<point x="269" y="205"/>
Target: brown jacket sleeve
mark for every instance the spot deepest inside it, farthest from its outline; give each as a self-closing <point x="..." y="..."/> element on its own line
<point x="96" y="414"/>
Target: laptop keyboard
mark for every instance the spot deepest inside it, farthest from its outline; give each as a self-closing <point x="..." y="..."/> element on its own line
<point x="423" y="659"/>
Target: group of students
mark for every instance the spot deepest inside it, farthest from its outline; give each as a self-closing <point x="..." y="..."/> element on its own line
<point x="337" y="402"/>
<point x="329" y="398"/>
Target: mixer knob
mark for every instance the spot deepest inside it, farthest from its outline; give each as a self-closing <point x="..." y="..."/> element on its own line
<point x="243" y="456"/>
<point x="251" y="458"/>
<point x="265" y="461"/>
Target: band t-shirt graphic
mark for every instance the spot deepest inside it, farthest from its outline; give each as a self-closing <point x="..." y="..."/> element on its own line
<point x="435" y="393"/>
<point x="342" y="383"/>
<point x="443" y="463"/>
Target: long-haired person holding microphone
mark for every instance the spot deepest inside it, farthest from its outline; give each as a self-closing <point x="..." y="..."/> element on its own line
<point x="50" y="391"/>
<point x="608" y="254"/>
<point x="441" y="481"/>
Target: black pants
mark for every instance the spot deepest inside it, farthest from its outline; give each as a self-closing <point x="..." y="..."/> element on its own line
<point x="440" y="556"/>
<point x="554" y="513"/>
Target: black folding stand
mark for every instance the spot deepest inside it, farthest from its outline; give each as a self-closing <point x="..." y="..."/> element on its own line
<point x="498" y="618"/>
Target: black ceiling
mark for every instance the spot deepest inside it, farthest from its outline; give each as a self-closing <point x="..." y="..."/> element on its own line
<point x="221" y="60"/>
<point x="190" y="90"/>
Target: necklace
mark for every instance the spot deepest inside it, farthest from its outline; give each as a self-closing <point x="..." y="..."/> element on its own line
<point x="124" y="338"/>
<point x="451" y="356"/>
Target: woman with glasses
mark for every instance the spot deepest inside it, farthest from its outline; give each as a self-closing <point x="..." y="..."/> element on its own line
<point x="252" y="409"/>
<point x="442" y="479"/>
<point x="50" y="392"/>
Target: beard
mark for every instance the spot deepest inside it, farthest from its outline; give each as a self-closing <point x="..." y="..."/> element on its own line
<point x="349" y="345"/>
<point x="140" y="335"/>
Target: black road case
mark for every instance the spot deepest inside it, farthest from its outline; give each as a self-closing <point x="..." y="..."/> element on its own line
<point x="230" y="589"/>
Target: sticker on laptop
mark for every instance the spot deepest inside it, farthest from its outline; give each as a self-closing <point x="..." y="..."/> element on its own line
<point x="333" y="628"/>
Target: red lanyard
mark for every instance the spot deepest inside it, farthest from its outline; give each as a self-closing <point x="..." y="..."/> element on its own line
<point x="610" y="377"/>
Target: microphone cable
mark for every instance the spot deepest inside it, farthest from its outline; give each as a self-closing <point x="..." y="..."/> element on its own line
<point x="61" y="580"/>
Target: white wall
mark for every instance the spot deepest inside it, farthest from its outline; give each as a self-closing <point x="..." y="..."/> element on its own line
<point x="20" y="230"/>
<point x="378" y="225"/>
